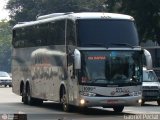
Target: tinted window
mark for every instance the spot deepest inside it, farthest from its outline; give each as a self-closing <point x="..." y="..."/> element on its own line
<point x="56" y="33"/>
<point x="41" y="34"/>
<point x="105" y="32"/>
<point x="70" y="33"/>
<point x="25" y="37"/>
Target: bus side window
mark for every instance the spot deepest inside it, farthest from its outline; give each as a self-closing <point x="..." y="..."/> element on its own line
<point x="56" y="33"/>
<point x="70" y="37"/>
<point x="42" y="34"/>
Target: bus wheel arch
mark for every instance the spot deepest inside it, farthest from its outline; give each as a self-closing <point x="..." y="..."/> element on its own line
<point x="62" y="88"/>
<point x="21" y="87"/>
<point x="63" y="99"/>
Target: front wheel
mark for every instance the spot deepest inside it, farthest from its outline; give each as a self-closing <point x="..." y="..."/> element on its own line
<point x="118" y="109"/>
<point x="64" y="102"/>
<point x="143" y="102"/>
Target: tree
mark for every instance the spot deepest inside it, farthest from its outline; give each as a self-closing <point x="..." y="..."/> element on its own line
<point x="22" y="10"/>
<point x="5" y="46"/>
<point x="27" y="10"/>
<point x="146" y="14"/>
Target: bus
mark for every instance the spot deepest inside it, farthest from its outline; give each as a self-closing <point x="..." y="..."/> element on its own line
<point x="86" y="59"/>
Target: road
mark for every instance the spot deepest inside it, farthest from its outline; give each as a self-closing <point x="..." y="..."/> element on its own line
<point x="10" y="104"/>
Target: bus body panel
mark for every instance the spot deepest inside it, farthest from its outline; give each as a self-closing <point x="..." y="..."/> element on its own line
<point x="110" y="96"/>
<point x="39" y="67"/>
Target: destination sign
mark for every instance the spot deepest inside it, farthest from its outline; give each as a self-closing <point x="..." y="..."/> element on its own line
<point x="96" y="57"/>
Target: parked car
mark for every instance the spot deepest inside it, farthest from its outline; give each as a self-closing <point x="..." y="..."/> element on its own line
<point x="5" y="79"/>
<point x="150" y="87"/>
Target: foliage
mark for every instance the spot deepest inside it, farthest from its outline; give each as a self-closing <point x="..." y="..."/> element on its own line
<point x="27" y="10"/>
<point x="5" y="46"/>
<point x="146" y="14"/>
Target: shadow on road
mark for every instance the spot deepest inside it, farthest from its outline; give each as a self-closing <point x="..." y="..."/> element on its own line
<point x="86" y="111"/>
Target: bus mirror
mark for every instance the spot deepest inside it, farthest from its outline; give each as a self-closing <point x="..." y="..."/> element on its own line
<point x="148" y="59"/>
<point x="77" y="59"/>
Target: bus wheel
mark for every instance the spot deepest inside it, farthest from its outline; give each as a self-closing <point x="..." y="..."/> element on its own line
<point x="64" y="101"/>
<point x="28" y="96"/>
<point x="143" y="102"/>
<point x="118" y="109"/>
<point x="24" y="97"/>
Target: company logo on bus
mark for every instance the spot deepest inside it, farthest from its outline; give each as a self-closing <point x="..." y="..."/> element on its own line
<point x="113" y="93"/>
<point x="96" y="57"/>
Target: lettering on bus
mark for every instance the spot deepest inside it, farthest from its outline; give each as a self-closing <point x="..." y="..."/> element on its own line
<point x="43" y="72"/>
<point x="122" y="90"/>
<point x="97" y="58"/>
<point x="87" y="89"/>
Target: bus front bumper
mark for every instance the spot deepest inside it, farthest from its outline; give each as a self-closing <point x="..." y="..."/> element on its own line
<point x="110" y="101"/>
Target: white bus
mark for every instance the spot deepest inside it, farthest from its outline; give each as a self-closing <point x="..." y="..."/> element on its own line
<point x="78" y="59"/>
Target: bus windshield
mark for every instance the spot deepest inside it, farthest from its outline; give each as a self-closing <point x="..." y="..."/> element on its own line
<point x="111" y="67"/>
<point x="105" y="32"/>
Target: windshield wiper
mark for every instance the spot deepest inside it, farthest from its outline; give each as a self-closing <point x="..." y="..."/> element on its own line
<point x="95" y="44"/>
<point x="122" y="44"/>
<point x="110" y="44"/>
<point x="99" y="79"/>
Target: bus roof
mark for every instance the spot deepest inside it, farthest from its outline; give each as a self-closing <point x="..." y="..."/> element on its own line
<point x="74" y="16"/>
<point x="86" y="15"/>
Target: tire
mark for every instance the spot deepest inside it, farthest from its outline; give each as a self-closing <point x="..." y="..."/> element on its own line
<point x="24" y="97"/>
<point x="158" y="102"/>
<point x="27" y="99"/>
<point x="30" y="100"/>
<point x="64" y="101"/>
<point x="143" y="102"/>
<point x="118" y="109"/>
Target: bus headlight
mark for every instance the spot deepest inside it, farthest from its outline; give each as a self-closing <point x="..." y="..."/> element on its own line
<point x="135" y="93"/>
<point x="140" y="101"/>
<point x="82" y="101"/>
<point x="89" y="94"/>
